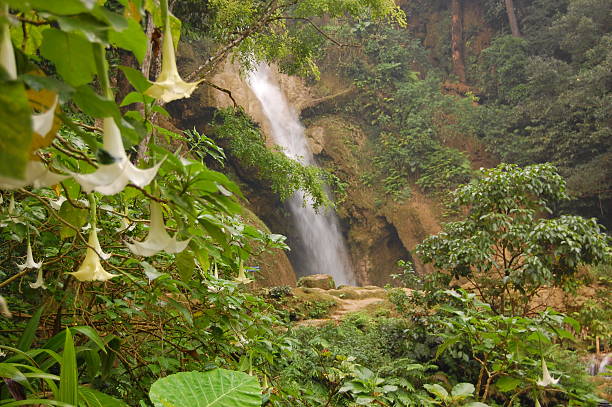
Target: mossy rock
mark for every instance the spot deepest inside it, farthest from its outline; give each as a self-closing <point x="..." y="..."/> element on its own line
<point x="322" y="281"/>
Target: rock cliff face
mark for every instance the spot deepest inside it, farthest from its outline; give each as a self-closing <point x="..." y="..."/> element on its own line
<point x="379" y="232"/>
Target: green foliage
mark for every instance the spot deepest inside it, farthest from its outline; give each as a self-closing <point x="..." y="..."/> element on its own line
<point x="215" y="388"/>
<point x="281" y="32"/>
<point x="503" y="246"/>
<point x="409" y="121"/>
<point x="546" y="96"/>
<point x="285" y="176"/>
<point x="15" y="132"/>
<point x="508" y="350"/>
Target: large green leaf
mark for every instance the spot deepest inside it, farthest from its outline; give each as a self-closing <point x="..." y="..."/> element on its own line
<point x="63" y="7"/>
<point x="29" y="333"/>
<point x="72" y="55"/>
<point x="15" y="133"/>
<point x="93" y="398"/>
<point x="215" y="388"/>
<point x="462" y="390"/>
<point x="133" y="39"/>
<point x="507" y="383"/>
<point x="68" y="389"/>
<point x="77" y="217"/>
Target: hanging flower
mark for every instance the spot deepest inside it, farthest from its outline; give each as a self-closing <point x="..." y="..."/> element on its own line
<point x="37" y="174"/>
<point x="158" y="238"/>
<point x="242" y="278"/>
<point x="40" y="282"/>
<point x="169" y="86"/>
<point x="42" y="123"/>
<point x="7" y="55"/>
<point x="126" y="225"/>
<point x="547" y="379"/>
<point x="57" y="203"/>
<point x="91" y="269"/>
<point x="4" y="309"/>
<point x="30" y="263"/>
<point x="111" y="179"/>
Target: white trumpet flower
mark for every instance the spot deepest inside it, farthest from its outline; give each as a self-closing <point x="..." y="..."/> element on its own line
<point x="158" y="238"/>
<point x="36" y="174"/>
<point x="7" y="55"/>
<point x="242" y="278"/>
<point x="30" y="263"/>
<point x="547" y="379"/>
<point x="91" y="269"/>
<point x="169" y="86"/>
<point x="4" y="309"/>
<point x="42" y="123"/>
<point x="57" y="203"/>
<point x="40" y="282"/>
<point x="111" y="179"/>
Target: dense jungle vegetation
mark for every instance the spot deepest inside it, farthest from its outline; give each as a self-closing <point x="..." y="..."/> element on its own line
<point x="127" y="256"/>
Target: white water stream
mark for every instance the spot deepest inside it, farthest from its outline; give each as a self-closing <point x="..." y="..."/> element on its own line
<point x="319" y="232"/>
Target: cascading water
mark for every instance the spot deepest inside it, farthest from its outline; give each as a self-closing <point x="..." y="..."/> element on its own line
<point x="321" y="242"/>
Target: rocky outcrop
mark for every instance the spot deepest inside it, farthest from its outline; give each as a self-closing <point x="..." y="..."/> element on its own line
<point x="379" y="231"/>
<point x="322" y="281"/>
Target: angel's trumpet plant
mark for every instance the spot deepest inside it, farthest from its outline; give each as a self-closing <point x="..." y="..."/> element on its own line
<point x="91" y="269"/>
<point x="7" y="55"/>
<point x="242" y="278"/>
<point x="30" y="263"/>
<point x="111" y="179"/>
<point x="158" y="238"/>
<point x="36" y="173"/>
<point x="42" y="123"/>
<point x="40" y="281"/>
<point x="547" y="379"/>
<point x="4" y="309"/>
<point x="169" y="86"/>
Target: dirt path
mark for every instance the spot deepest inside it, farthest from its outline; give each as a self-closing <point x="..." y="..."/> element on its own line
<point x="346" y="306"/>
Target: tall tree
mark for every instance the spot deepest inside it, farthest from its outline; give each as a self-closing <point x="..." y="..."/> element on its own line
<point x="457" y="46"/>
<point x="516" y="31"/>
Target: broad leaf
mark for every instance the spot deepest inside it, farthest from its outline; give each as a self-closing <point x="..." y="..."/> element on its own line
<point x="463" y="390"/>
<point x="185" y="264"/>
<point x="15" y="134"/>
<point x="437" y="390"/>
<point x="77" y="217"/>
<point x="92" y="398"/>
<point x="72" y="55"/>
<point x="507" y="383"/>
<point x="133" y="39"/>
<point x="64" y="7"/>
<point x="215" y="388"/>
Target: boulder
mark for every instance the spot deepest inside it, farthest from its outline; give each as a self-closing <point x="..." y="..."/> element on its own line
<point x="322" y="281"/>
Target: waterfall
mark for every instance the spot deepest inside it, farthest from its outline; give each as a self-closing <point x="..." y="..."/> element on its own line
<point x="321" y="244"/>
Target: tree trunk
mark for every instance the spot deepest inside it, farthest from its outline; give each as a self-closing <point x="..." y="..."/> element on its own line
<point x="457" y="45"/>
<point x="512" y="18"/>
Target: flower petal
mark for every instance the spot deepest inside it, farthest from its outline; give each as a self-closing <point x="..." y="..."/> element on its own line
<point x="169" y="86"/>
<point x="40" y="282"/>
<point x="158" y="238"/>
<point x="42" y="123"/>
<point x="37" y="174"/>
<point x="30" y="263"/>
<point x="91" y="269"/>
<point x="112" y="178"/>
<point x="7" y="55"/>
<point x="4" y="309"/>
